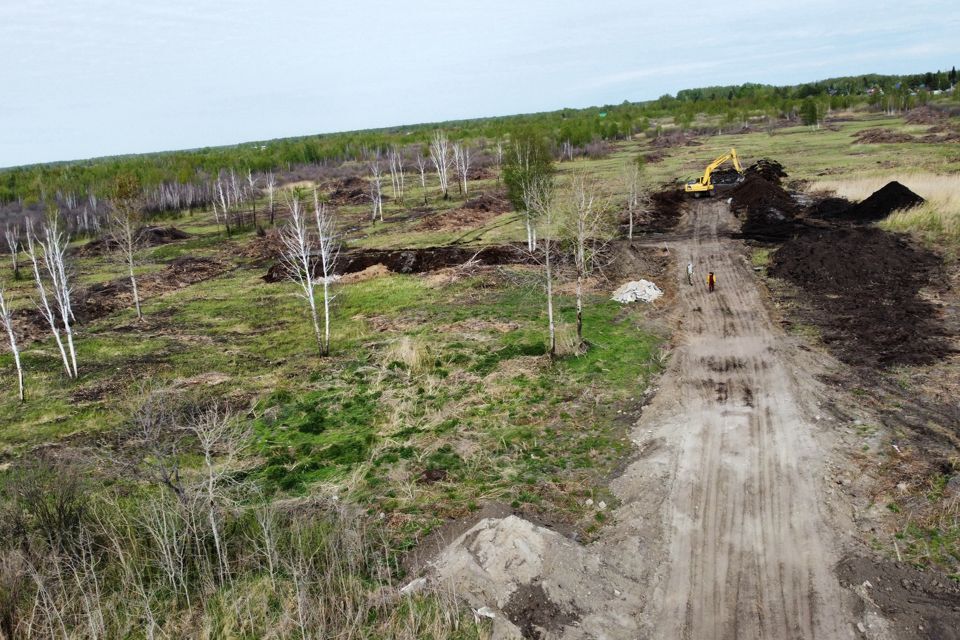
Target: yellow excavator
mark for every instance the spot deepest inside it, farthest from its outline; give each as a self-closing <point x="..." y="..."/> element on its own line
<point x="704" y="186"/>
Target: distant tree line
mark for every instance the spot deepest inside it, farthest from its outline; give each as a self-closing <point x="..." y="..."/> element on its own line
<point x="186" y="179"/>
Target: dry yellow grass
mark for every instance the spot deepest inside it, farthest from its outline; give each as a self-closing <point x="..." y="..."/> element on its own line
<point x="937" y="220"/>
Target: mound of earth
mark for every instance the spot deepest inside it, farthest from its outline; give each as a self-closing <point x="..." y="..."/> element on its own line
<point x="925" y="115"/>
<point x="769" y="170"/>
<point x="488" y="202"/>
<point x="350" y="190"/>
<point x="654" y="157"/>
<point x="767" y="210"/>
<point x="146" y="237"/>
<point x="864" y="287"/>
<point x="726" y="176"/>
<point x="891" y="197"/>
<point x="415" y="260"/>
<point x="458" y="219"/>
<point x="827" y="208"/>
<point x="880" y="135"/>
<point x="664" y="211"/>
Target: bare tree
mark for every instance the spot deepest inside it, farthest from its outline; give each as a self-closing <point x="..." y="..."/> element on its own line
<point x="46" y="309"/>
<point x="297" y="253"/>
<point x="271" y="188"/>
<point x="329" y="252"/>
<point x="54" y="246"/>
<point x="397" y="179"/>
<point x="499" y="159"/>
<point x="6" y="319"/>
<point x="461" y="160"/>
<point x="586" y="229"/>
<point x="376" y="190"/>
<point x="440" y="155"/>
<point x="540" y="196"/>
<point x="224" y="195"/>
<point x="633" y="196"/>
<point x="252" y="194"/>
<point x="422" y="166"/>
<point x="12" y="235"/>
<point x="125" y="229"/>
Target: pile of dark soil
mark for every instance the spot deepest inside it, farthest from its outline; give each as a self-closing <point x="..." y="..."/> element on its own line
<point x="769" y="170"/>
<point x="891" y="197"/>
<point x="349" y="190"/>
<point x="925" y="115"/>
<point x="146" y="237"/>
<point x="828" y="208"/>
<point x="880" y="135"/>
<point x="488" y="202"/>
<point x="416" y="260"/>
<point x="767" y="210"/>
<point x="664" y="211"/>
<point x="726" y="176"/>
<point x="864" y="287"/>
<point x="654" y="157"/>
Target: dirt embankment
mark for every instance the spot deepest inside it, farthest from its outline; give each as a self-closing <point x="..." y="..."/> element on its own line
<point x="474" y="212"/>
<point x="417" y="260"/>
<point x="767" y="210"/>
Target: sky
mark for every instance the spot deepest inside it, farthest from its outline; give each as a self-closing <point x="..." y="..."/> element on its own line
<point x="88" y="78"/>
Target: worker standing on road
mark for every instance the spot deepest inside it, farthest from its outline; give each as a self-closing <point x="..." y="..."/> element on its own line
<point x="711" y="281"/>
<point x="690" y="273"/>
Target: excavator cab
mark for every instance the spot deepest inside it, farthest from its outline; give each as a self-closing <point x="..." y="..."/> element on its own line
<point x="704" y="185"/>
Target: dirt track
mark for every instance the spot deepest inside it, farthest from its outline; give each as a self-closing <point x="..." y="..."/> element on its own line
<point x="746" y="550"/>
<point x="726" y="528"/>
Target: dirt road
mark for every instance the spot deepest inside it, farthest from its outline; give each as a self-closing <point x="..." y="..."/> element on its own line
<point x="747" y="551"/>
<point x="723" y="532"/>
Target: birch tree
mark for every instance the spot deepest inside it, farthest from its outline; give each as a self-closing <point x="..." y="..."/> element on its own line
<point x="422" y="166"/>
<point x="12" y="235"/>
<point x="125" y="229"/>
<point x="252" y="194"/>
<point x="540" y="196"/>
<point x="586" y="227"/>
<point x="397" y="178"/>
<point x="6" y="321"/>
<point x="329" y="250"/>
<point x="376" y="190"/>
<point x="633" y="196"/>
<point x="461" y="160"/>
<point x="43" y="303"/>
<point x="440" y="156"/>
<point x="271" y="188"/>
<point x="54" y="246"/>
<point x="528" y="166"/>
<point x="297" y="251"/>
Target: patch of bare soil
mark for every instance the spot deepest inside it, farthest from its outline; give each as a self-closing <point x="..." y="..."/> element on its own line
<point x="865" y="288"/>
<point x="146" y="237"/>
<point x="532" y="611"/>
<point x="457" y="219"/>
<point x="915" y="604"/>
<point x="263" y="249"/>
<point x="100" y="300"/>
<point x="655" y="156"/>
<point x="881" y="135"/>
<point x="674" y="138"/>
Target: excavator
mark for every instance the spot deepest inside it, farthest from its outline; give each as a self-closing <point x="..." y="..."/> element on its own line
<point x="704" y="185"/>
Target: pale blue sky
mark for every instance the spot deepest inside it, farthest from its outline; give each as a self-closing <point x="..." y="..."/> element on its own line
<point x="83" y="78"/>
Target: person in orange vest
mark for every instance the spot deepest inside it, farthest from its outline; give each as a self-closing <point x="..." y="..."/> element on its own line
<point x="711" y="281"/>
